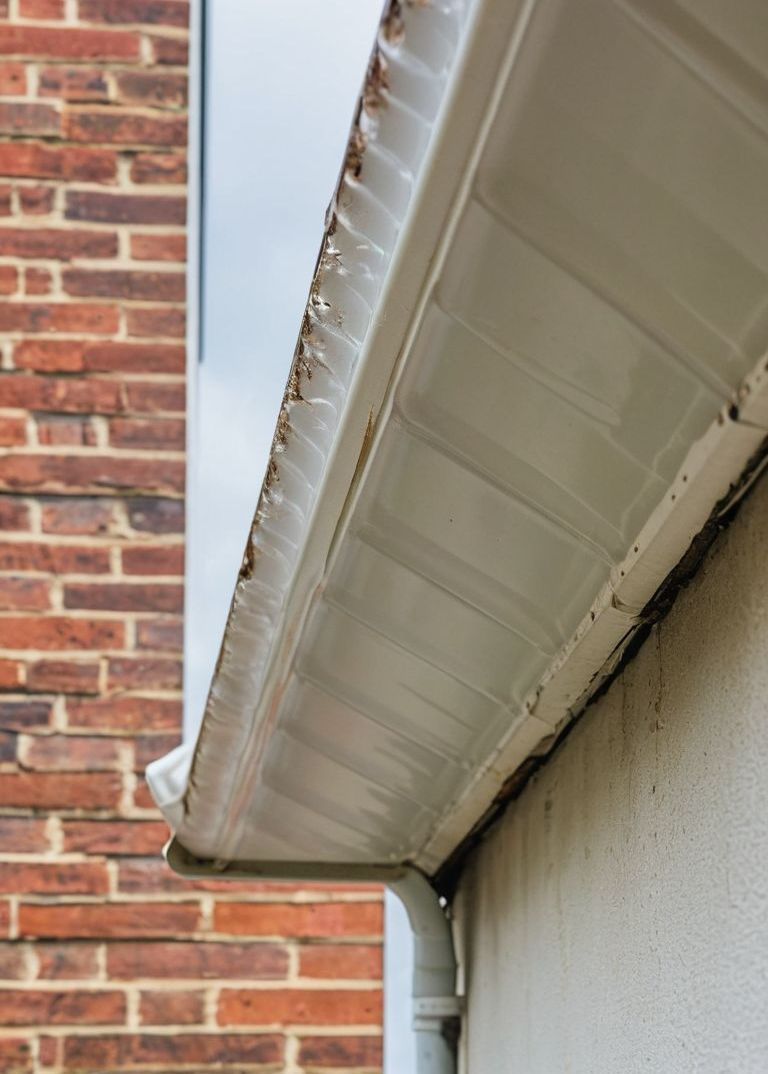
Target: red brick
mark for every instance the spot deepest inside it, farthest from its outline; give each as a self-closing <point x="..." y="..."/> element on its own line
<point x="66" y="961"/>
<point x="41" y="9"/>
<point x="159" y="247"/>
<point x="11" y="674"/>
<point x="164" y="634"/>
<point x="299" y="1006"/>
<point x="24" y="594"/>
<point x="108" y="208"/>
<point x="9" y="279"/>
<point x="13" y="431"/>
<point x="144" y="673"/>
<point x="61" y="432"/>
<point x="124" y="597"/>
<point x="146" y="434"/>
<point x="56" y="878"/>
<point x="120" y="283"/>
<point x="341" y="1052"/>
<point x="63" y="676"/>
<point x="68" y="44"/>
<point x="71" y="753"/>
<point x="91" y="473"/>
<point x="147" y="748"/>
<point x="36" y="200"/>
<point x="157" y="559"/>
<point x="107" y="921"/>
<point x="55" y="558"/>
<point x="156" y="515"/>
<point x="338" y="961"/>
<point x="151" y="398"/>
<point x="6" y="192"/>
<point x="60" y="632"/>
<point x="159" y="168"/>
<point x="25" y="118"/>
<point x="13" y="962"/>
<point x="5" y="918"/>
<point x="34" y="161"/>
<point x="37" y="281"/>
<point x="8" y="741"/>
<point x="15" y="1056"/>
<point x="78" y="517"/>
<point x="74" y="356"/>
<point x="156" y="322"/>
<point x="14" y="514"/>
<point x="123" y="128"/>
<point x="198" y="960"/>
<point x="171" y="1008"/>
<point x="13" y="79"/>
<point x="155" y="12"/>
<point x="153" y="88"/>
<point x="23" y="835"/>
<point x="73" y="83"/>
<point x="302" y="921"/>
<point x="101" y="320"/>
<point x="56" y="243"/>
<point x="125" y="714"/>
<point x="73" y="1007"/>
<point x="60" y="790"/>
<point x="170" y="50"/>
<point x="50" y="1050"/>
<point x="167" y="1051"/>
<point x="25" y="715"/>
<point x="142" y="796"/>
<point x="115" y="837"/>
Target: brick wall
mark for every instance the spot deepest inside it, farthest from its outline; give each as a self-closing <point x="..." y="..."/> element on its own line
<point x="107" y="961"/>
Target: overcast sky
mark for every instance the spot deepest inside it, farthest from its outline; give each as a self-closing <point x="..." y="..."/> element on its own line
<point x="282" y="84"/>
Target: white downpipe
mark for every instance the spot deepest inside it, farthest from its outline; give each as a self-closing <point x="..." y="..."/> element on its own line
<point x="436" y="1008"/>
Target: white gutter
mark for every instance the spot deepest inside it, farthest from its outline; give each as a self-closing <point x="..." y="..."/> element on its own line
<point x="436" y="1007"/>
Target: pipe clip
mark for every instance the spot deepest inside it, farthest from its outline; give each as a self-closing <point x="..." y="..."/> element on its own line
<point x="427" y="1010"/>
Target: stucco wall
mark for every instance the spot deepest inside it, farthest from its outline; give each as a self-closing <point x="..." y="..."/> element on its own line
<point x="616" y="918"/>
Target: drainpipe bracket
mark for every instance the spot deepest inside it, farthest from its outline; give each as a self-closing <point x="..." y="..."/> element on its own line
<point x="428" y="1010"/>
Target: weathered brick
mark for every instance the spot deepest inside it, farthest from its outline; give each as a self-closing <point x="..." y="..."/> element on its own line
<point x="90" y="473"/>
<point x="122" y="283"/>
<point x="124" y="714"/>
<point x="197" y="960"/>
<point x="66" y="961"/>
<point x="60" y="790"/>
<point x="114" y="837"/>
<point x="126" y="1051"/>
<point x="35" y="161"/>
<point x="74" y="356"/>
<point x="107" y="208"/>
<point x="303" y="921"/>
<point x="169" y="50"/>
<point x="13" y="431"/>
<point x="74" y="83"/>
<point x="124" y="597"/>
<point x="63" y="676"/>
<point x="171" y="1008"/>
<point x="341" y="1053"/>
<point x="153" y="12"/>
<point x="166" y="635"/>
<point x="9" y="279"/>
<point x="68" y="44"/>
<point x="14" y="514"/>
<point x="156" y="321"/>
<point x="24" y="835"/>
<point x="37" y="281"/>
<point x="11" y="674"/>
<point x="54" y="558"/>
<point x="153" y="398"/>
<point x="16" y="1055"/>
<point x="71" y="753"/>
<point x="53" y="878"/>
<point x="24" y="715"/>
<point x="340" y="961"/>
<point x="153" y="559"/>
<point x="146" y="434"/>
<point x="148" y="247"/>
<point x="57" y="243"/>
<point x="153" y="89"/>
<point x="60" y="632"/>
<point x="19" y="117"/>
<point x="156" y="515"/>
<point x="36" y="200"/>
<point x="41" y="9"/>
<point x="107" y="920"/>
<point x="299" y="1006"/>
<point x="24" y="594"/>
<point x="75" y="516"/>
<point x="144" y="673"/>
<point x="100" y="319"/>
<point x="13" y="79"/>
<point x="13" y="963"/>
<point x="72" y="1007"/>
<point x="61" y="431"/>
<point x="159" y="168"/>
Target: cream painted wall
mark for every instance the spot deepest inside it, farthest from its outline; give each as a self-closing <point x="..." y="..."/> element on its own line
<point x="616" y="919"/>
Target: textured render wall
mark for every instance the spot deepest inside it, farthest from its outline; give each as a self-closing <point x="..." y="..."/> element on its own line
<point x="616" y="919"/>
<point x="107" y="962"/>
